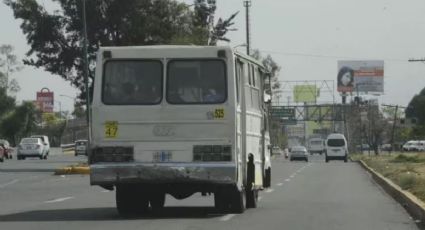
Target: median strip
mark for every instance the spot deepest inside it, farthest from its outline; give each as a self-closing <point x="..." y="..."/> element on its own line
<point x="82" y="169"/>
<point x="410" y="202"/>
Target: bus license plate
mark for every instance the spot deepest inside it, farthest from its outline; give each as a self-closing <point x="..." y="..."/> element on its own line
<point x="162" y="156"/>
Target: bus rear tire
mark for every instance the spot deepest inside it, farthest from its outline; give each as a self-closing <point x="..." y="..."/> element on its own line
<point x="157" y="202"/>
<point x="251" y="198"/>
<point x="130" y="200"/>
<point x="267" y="178"/>
<point x="237" y="204"/>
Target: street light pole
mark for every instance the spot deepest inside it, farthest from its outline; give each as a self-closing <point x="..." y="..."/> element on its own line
<point x="86" y="71"/>
<point x="247" y="5"/>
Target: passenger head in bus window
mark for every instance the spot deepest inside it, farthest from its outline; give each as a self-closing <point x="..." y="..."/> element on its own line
<point x="213" y="96"/>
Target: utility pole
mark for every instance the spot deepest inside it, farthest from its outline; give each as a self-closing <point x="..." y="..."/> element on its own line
<point x="247" y="4"/>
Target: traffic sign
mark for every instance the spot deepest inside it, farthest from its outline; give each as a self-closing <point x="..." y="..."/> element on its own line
<point x="281" y="111"/>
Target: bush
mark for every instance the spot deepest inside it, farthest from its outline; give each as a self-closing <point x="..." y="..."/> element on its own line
<point x="407" y="181"/>
<point x="402" y="158"/>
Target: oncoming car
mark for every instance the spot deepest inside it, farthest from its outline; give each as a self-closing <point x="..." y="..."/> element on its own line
<point x="298" y="153"/>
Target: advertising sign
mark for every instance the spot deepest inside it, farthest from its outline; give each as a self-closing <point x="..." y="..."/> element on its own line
<point x="305" y="93"/>
<point x="360" y="76"/>
<point x="45" y="100"/>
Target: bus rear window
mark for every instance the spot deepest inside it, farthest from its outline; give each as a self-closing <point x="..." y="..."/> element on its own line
<point x="132" y="82"/>
<point x="196" y="82"/>
<point x="336" y="142"/>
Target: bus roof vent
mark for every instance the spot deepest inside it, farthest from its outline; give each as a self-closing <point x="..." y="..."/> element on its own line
<point x="221" y="53"/>
<point x="107" y="54"/>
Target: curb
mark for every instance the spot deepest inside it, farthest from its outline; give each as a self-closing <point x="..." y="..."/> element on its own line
<point x="82" y="170"/>
<point x="414" y="206"/>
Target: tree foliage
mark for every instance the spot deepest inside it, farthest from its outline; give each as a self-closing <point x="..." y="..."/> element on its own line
<point x="9" y="64"/>
<point x="56" y="38"/>
<point x="272" y="67"/>
<point x="416" y="108"/>
<point x="19" y="123"/>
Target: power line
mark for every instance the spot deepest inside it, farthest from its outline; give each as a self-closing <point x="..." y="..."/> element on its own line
<point x="329" y="56"/>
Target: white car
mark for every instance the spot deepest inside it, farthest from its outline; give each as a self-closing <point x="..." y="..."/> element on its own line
<point x="412" y="146"/>
<point x="31" y="147"/>
<point x="45" y="141"/>
<point x="298" y="153"/>
<point x="336" y="147"/>
<point x="276" y="150"/>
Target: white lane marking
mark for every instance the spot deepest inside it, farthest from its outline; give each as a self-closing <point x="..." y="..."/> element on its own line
<point x="279" y="184"/>
<point x="293" y="175"/>
<point x="227" y="217"/>
<point x="9" y="183"/>
<point x="269" y="190"/>
<point x="105" y="191"/>
<point x="59" y="200"/>
<point x="287" y="180"/>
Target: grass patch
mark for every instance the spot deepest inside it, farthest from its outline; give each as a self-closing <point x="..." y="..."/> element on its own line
<point x="406" y="170"/>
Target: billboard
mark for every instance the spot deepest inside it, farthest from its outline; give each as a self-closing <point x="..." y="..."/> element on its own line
<point x="45" y="100"/>
<point x="305" y="93"/>
<point x="360" y="76"/>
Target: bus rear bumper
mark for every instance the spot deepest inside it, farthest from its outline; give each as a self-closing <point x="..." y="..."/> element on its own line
<point x="211" y="173"/>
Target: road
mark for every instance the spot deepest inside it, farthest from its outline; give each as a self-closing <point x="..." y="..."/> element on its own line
<point x="314" y="195"/>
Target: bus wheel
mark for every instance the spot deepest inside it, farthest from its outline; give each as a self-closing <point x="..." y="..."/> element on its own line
<point x="237" y="204"/>
<point x="267" y="178"/>
<point x="221" y="203"/>
<point x="130" y="201"/>
<point x="157" y="201"/>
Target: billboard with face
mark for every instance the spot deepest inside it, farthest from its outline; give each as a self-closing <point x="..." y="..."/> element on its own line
<point x="360" y="76"/>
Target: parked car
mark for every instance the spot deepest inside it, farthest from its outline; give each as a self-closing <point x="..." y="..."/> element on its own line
<point x="31" y="147"/>
<point x="336" y="147"/>
<point x="411" y="146"/>
<point x="298" y="153"/>
<point x="386" y="147"/>
<point x="46" y="142"/>
<point x="7" y="149"/>
<point x="81" y="147"/>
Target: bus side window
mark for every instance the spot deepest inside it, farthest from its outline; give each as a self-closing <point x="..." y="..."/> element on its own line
<point x="239" y="72"/>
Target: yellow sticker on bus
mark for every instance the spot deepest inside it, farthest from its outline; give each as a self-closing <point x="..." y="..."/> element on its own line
<point x="219" y="114"/>
<point x="111" y="129"/>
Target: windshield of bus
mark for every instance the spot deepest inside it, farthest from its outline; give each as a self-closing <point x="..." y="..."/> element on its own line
<point x="196" y="82"/>
<point x="132" y="82"/>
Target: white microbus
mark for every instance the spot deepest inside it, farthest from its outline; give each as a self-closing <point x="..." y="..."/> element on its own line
<point x="179" y="120"/>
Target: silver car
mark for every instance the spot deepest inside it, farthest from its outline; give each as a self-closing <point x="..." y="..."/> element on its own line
<point x="298" y="153"/>
<point x="31" y="147"/>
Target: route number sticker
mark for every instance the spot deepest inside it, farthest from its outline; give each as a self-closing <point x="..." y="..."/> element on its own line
<point x="219" y="114"/>
<point x="111" y="129"/>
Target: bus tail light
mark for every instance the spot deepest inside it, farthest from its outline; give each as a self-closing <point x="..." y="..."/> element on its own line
<point x="212" y="153"/>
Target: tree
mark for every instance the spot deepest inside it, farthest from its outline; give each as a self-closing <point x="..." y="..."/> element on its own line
<point x="56" y="38"/>
<point x="7" y="103"/>
<point x="416" y="108"/>
<point x="19" y="123"/>
<point x="9" y="64"/>
<point x="272" y="67"/>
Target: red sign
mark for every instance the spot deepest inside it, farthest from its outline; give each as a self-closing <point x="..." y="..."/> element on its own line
<point x="45" y="100"/>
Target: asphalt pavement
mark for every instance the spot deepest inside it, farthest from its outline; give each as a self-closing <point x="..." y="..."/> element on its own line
<point x="314" y="195"/>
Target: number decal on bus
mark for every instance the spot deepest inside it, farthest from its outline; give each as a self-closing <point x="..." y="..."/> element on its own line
<point x="219" y="114"/>
<point x="111" y="129"/>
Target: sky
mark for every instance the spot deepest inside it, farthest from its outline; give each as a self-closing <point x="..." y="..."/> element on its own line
<point x="305" y="37"/>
